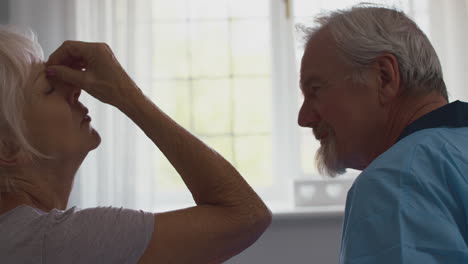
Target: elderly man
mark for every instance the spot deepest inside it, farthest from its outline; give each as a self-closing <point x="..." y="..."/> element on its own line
<point x="375" y="97"/>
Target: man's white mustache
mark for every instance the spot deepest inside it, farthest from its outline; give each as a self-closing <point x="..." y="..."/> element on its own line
<point x="322" y="129"/>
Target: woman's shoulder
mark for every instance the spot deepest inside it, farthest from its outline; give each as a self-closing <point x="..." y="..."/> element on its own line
<point x="22" y="230"/>
<point x="26" y="213"/>
<point x="21" y="213"/>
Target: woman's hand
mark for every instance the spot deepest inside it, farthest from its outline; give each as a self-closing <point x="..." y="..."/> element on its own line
<point x="229" y="215"/>
<point x="93" y="68"/>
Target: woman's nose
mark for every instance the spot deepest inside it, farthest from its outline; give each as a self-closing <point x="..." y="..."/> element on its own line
<point x="74" y="95"/>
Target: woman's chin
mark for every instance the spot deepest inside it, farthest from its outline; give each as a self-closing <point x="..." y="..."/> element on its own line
<point x="96" y="140"/>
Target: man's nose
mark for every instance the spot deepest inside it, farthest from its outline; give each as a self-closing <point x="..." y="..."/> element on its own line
<point x="308" y="116"/>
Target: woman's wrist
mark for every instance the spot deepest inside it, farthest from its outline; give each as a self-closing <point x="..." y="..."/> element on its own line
<point x="133" y="97"/>
<point x="139" y="108"/>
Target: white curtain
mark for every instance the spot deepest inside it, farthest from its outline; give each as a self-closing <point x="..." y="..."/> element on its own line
<point x="120" y="171"/>
<point x="447" y="28"/>
<point x="52" y="20"/>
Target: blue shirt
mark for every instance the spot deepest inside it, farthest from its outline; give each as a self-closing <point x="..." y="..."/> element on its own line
<point x="410" y="204"/>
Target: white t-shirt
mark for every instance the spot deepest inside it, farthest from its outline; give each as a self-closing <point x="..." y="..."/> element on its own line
<point x="94" y="235"/>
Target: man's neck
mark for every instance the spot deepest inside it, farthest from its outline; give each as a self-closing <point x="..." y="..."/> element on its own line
<point x="407" y="110"/>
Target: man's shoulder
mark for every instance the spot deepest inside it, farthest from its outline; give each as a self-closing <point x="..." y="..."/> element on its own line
<point x="425" y="144"/>
<point x="431" y="159"/>
<point x="423" y="166"/>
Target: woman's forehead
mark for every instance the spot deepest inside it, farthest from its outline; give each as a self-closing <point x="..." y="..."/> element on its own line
<point x="37" y="77"/>
<point x="36" y="82"/>
<point x="37" y="71"/>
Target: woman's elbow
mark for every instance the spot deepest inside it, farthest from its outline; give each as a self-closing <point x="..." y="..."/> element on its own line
<point x="264" y="218"/>
<point x="260" y="218"/>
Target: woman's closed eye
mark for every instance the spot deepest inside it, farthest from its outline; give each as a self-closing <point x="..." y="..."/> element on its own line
<point x="50" y="90"/>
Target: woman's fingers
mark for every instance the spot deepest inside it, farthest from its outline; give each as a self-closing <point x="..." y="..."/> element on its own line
<point x="68" y="75"/>
<point x="93" y="68"/>
<point x="70" y="52"/>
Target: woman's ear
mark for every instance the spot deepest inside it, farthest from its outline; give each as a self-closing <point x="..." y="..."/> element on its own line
<point x="9" y="151"/>
<point x="389" y="75"/>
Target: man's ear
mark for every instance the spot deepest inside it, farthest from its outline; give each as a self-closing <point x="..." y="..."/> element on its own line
<point x="389" y="76"/>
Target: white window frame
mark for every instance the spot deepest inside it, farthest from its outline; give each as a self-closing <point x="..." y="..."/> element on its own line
<point x="285" y="156"/>
<point x="285" y="135"/>
<point x="289" y="180"/>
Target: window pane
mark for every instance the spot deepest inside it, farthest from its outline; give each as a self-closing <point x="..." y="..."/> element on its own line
<point x="340" y="4"/>
<point x="173" y="9"/>
<point x="173" y="97"/>
<point x="306" y="8"/>
<point x="222" y="144"/>
<point x="252" y="104"/>
<point x="209" y="48"/>
<point x="170" y="50"/>
<point x="212" y="107"/>
<point x="208" y="9"/>
<point x="251" y="47"/>
<point x="249" y="8"/>
<point x="309" y="146"/>
<point x="253" y="159"/>
<point x="212" y="75"/>
<point x="167" y="177"/>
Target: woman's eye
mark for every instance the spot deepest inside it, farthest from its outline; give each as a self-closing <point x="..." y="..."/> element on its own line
<point x="50" y="90"/>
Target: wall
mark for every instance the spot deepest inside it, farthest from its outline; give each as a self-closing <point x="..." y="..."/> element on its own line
<point x="4" y="7"/>
<point x="296" y="241"/>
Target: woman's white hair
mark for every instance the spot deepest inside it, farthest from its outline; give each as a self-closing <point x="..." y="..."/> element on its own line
<point x="365" y="31"/>
<point x="19" y="50"/>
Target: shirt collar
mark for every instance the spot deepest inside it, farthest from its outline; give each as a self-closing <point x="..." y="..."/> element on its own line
<point x="454" y="114"/>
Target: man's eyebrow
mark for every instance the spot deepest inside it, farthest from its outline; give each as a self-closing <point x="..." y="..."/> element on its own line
<point x="310" y="79"/>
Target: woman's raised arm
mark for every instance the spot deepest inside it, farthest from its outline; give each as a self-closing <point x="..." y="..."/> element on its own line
<point x="229" y="215"/>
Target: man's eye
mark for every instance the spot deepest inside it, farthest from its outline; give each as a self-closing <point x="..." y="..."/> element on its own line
<point x="313" y="90"/>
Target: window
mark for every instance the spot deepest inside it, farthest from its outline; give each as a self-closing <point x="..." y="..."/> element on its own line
<point x="212" y="74"/>
<point x="211" y="70"/>
<point x="227" y="70"/>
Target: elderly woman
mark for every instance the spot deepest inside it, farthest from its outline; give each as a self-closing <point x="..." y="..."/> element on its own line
<point x="46" y="134"/>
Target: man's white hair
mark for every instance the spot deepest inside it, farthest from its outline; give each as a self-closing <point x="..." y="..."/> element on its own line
<point x="19" y="50"/>
<point x="365" y="31"/>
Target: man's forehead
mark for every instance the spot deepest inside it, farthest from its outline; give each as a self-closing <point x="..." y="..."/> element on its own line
<point x="310" y="67"/>
<point x="315" y="47"/>
<point x="319" y="45"/>
<point x="308" y="76"/>
<point x="320" y="55"/>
